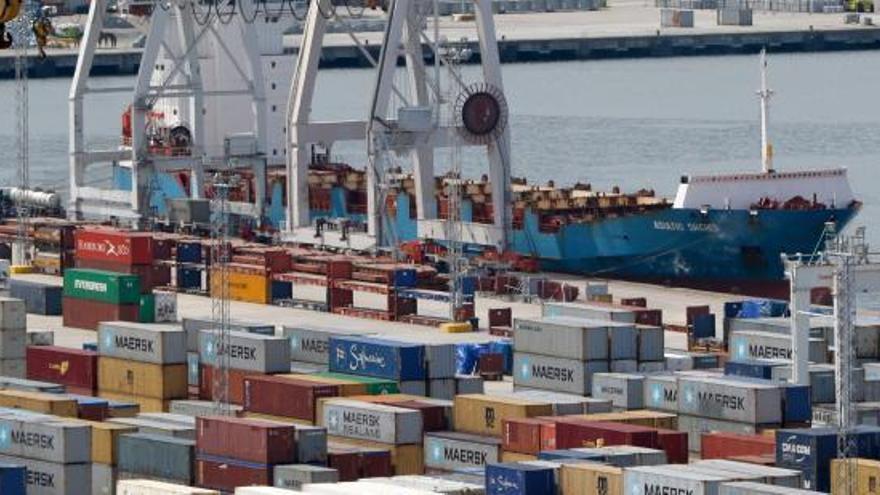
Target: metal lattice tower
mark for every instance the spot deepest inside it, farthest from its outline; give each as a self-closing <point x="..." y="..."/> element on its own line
<point x="455" y="253"/>
<point x="21" y="32"/>
<point x="219" y="285"/>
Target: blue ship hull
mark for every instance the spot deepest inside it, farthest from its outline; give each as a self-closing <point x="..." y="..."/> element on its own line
<point x="721" y="249"/>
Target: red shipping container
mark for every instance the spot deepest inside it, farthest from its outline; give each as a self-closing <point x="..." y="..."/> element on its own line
<point x="722" y="445"/>
<point x="281" y="396"/>
<point x="653" y="317"/>
<point x="151" y="276"/>
<point x="675" y="444"/>
<point x="346" y="461"/>
<point x="163" y="248"/>
<point x="339" y="269"/>
<point x="639" y="302"/>
<point x="63" y="365"/>
<point x="236" y="384"/>
<point x="528" y="435"/>
<point x="433" y="416"/>
<point x="130" y="248"/>
<point x="574" y="433"/>
<point x="93" y="412"/>
<point x="85" y="313"/>
<point x="226" y="474"/>
<point x="246" y="439"/>
<point x="375" y="463"/>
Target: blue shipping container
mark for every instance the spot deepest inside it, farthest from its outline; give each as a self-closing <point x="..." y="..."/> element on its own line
<point x="189" y="252"/>
<point x="751" y="368"/>
<point x="379" y="358"/>
<point x="189" y="278"/>
<point x="13" y="479"/>
<point x="40" y="299"/>
<point x="405" y="277"/>
<point x="568" y="454"/>
<point x="90" y="346"/>
<point x="704" y="326"/>
<point x="762" y="308"/>
<point x="469" y="285"/>
<point x="810" y="451"/>
<point x="519" y="479"/>
<point x="281" y="290"/>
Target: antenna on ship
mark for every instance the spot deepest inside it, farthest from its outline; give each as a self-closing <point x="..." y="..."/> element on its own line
<point x="764" y="94"/>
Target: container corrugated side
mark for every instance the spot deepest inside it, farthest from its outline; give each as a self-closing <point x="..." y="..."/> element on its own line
<point x="154" y="343"/>
<point x="311" y="344"/>
<point x="582" y="340"/>
<point x="157" y="456"/>
<point x="649" y="480"/>
<point x="153" y="487"/>
<point x="50" y="478"/>
<point x="192" y="327"/>
<point x="625" y="391"/>
<point x="294" y="476"/>
<point x="519" y="479"/>
<point x="451" y="451"/>
<point x="378" y="358"/>
<point x="252" y="440"/>
<point x="731" y="400"/>
<point x="247" y="351"/>
<point x="481" y="414"/>
<point x="142" y="379"/>
<point x="59" y="441"/>
<point x="557" y="374"/>
<point x="103" y="286"/>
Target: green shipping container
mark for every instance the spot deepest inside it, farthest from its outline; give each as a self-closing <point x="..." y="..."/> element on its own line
<point x="99" y="285"/>
<point x="147" y="310"/>
<point x="375" y="386"/>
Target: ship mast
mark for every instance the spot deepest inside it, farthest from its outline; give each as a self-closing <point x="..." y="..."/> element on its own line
<point x="764" y="94"/>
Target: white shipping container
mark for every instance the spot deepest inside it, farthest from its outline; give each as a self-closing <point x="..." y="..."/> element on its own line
<point x="451" y="451"/>
<point x="625" y="391"/>
<point x="752" y="488"/>
<point x="696" y="426"/>
<point x="103" y="479"/>
<point x="166" y="307"/>
<point x="771" y="475"/>
<point x="730" y="400"/>
<point x="661" y="392"/>
<point x="13" y="343"/>
<point x="248" y="351"/>
<point x="562" y="337"/>
<point x="151" y="487"/>
<point x="147" y="343"/>
<point x="652" y="480"/>
<point x="294" y="476"/>
<point x="49" y="439"/>
<point x="589" y="310"/>
<point x="13" y="314"/>
<point x="262" y="490"/>
<point x="375" y="422"/>
<point x="310" y="344"/>
<point x="51" y="478"/>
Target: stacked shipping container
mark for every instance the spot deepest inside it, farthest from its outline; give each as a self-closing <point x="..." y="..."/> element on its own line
<point x="13" y="337"/>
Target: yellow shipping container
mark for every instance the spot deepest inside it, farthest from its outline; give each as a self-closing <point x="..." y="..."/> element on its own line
<point x="406" y="459"/>
<point x="147" y="404"/>
<point x="590" y="479"/>
<point x="145" y="380"/>
<point x="346" y="388"/>
<point x="39" y="402"/>
<point x="642" y="417"/>
<point x="507" y="456"/>
<point x="482" y="414"/>
<point x="247" y="287"/>
<point x="105" y="437"/>
<point x="865" y="472"/>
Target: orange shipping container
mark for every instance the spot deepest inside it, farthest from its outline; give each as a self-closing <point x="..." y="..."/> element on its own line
<point x="247" y="285"/>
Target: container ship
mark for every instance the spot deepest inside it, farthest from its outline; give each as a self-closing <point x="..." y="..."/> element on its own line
<point x="722" y="232"/>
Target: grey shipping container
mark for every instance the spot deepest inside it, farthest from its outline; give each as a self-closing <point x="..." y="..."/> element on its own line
<point x="651" y="343"/>
<point x="624" y="342"/>
<point x="752" y="488"/>
<point x="451" y="451"/>
<point x="64" y="442"/>
<point x="442" y="388"/>
<point x="248" y="351"/>
<point x="591" y="311"/>
<point x="696" y="426"/>
<point x="375" y="422"/>
<point x="311" y="444"/>
<point x="170" y="418"/>
<point x="623" y="366"/>
<point x="771" y="475"/>
<point x="866" y="413"/>
<point x="676" y="18"/>
<point x="649" y="480"/>
<point x="148" y="343"/>
<point x="730" y="400"/>
<point x="652" y="366"/>
<point x="734" y="17"/>
<point x="51" y="478"/>
<point x="302" y="368"/>
<point x="158" y="428"/>
<point x="551" y="373"/>
<point x="562" y="337"/>
<point x="39" y="298"/>
<point x="193" y="326"/>
<point x="294" y="476"/>
<point x="197" y="407"/>
<point x="413" y="387"/>
<point x="310" y="343"/>
<point x="627" y="456"/>
<point x="155" y="456"/>
<point x="40" y="337"/>
<point x="13" y="383"/>
<point x="13" y="343"/>
<point x="625" y="391"/>
<point x="13" y="314"/>
<point x="465" y="384"/>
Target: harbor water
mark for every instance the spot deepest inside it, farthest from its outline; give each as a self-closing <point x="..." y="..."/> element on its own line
<point x="636" y="123"/>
